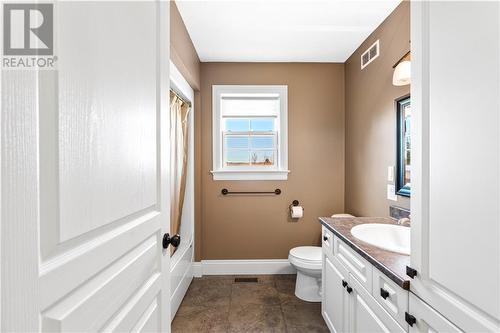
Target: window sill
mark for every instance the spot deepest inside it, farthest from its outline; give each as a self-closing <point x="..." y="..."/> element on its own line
<point x="250" y="175"/>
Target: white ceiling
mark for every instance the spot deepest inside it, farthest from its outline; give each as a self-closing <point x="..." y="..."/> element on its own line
<point x="276" y="30"/>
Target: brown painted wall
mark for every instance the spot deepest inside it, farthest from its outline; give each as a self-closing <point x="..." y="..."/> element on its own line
<point x="182" y="51"/>
<point x="184" y="56"/>
<point x="259" y="227"/>
<point x="371" y="117"/>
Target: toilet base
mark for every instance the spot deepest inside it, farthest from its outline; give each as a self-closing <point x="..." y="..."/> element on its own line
<point x="308" y="288"/>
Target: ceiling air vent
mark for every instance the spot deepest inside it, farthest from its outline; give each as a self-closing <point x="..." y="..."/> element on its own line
<point x="370" y="54"/>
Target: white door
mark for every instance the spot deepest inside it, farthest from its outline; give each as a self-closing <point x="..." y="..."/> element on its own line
<point x="335" y="299"/>
<point x="84" y="173"/>
<point x="456" y="160"/>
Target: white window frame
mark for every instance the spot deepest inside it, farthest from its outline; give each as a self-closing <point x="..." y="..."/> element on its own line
<point x="280" y="172"/>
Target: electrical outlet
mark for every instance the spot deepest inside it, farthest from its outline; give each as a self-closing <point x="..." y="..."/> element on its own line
<point x="391" y="192"/>
<point x="390" y="173"/>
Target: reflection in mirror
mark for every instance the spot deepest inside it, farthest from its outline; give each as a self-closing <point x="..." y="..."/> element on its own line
<point x="403" y="158"/>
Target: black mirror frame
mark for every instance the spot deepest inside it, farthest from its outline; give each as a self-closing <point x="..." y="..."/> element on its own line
<point x="401" y="188"/>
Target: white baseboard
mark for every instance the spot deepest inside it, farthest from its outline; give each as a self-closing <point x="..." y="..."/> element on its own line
<point x="242" y="267"/>
<point x="197" y="270"/>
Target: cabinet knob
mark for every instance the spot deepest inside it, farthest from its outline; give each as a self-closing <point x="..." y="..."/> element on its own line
<point x="349" y="289"/>
<point x="344" y="283"/>
<point x="384" y="293"/>
<point x="325" y="238"/>
<point x="411" y="320"/>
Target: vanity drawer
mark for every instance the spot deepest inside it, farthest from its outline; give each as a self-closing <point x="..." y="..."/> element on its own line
<point x="392" y="297"/>
<point x="327" y="241"/>
<point x="355" y="264"/>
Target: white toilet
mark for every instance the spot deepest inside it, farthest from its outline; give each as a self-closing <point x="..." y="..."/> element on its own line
<point x="307" y="260"/>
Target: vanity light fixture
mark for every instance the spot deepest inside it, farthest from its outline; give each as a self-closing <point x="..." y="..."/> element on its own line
<point x="402" y="71"/>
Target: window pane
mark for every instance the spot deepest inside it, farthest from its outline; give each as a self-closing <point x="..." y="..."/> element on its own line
<point x="262" y="124"/>
<point x="237" y="125"/>
<point x="263" y="157"/>
<point x="237" y="157"/>
<point x="262" y="142"/>
<point x="236" y="142"/>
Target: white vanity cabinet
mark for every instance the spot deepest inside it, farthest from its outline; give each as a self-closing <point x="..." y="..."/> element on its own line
<point x="455" y="195"/>
<point x="348" y="304"/>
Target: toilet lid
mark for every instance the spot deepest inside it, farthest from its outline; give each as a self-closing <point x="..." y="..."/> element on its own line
<point x="311" y="253"/>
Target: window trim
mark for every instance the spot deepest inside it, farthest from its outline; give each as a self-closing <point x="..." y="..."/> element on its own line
<point x="278" y="173"/>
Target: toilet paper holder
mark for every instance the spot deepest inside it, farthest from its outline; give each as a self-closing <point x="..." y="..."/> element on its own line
<point x="294" y="203"/>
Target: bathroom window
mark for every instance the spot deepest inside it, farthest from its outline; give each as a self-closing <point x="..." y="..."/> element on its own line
<point x="249" y="132"/>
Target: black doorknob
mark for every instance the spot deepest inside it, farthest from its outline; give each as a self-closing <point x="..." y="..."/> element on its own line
<point x="175" y="240"/>
<point x="325" y="238"/>
<point x="349" y="289"/>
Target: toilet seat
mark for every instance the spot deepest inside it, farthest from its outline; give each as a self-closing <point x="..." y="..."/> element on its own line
<point x="306" y="257"/>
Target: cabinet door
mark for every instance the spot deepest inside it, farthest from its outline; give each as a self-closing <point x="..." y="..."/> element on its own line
<point x="334" y="305"/>
<point x="456" y="160"/>
<point x="428" y="320"/>
<point x="366" y="315"/>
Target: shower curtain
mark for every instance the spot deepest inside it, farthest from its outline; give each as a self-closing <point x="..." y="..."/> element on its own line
<point x="179" y="111"/>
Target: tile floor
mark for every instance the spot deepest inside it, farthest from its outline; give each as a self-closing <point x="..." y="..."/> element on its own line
<point x="218" y="304"/>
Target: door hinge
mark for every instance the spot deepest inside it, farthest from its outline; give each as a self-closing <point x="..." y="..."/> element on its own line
<point x="411" y="272"/>
<point x="410" y="319"/>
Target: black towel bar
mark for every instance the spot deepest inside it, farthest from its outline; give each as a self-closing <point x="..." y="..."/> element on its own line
<point x="225" y="191"/>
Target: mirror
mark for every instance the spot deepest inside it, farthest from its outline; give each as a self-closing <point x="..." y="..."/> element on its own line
<point x="403" y="157"/>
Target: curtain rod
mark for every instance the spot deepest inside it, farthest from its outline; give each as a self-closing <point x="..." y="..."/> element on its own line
<point x="179" y="96"/>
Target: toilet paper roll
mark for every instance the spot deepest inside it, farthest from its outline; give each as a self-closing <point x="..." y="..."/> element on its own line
<point x="297" y="212"/>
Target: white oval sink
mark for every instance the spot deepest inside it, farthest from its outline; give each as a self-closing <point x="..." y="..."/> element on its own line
<point x="389" y="237"/>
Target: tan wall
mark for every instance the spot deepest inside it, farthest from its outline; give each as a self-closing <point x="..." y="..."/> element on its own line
<point x="184" y="56"/>
<point x="182" y="51"/>
<point x="371" y="118"/>
<point x="259" y="227"/>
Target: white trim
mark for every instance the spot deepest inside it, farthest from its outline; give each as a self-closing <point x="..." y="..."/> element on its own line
<point x="250" y="175"/>
<point x="219" y="173"/>
<point x="197" y="269"/>
<point x="179" y="84"/>
<point x="243" y="267"/>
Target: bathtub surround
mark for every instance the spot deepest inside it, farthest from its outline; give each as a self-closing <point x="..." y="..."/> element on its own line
<point x="371" y="117"/>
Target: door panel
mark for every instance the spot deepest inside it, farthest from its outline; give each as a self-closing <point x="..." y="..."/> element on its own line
<point x="428" y="319"/>
<point x="97" y="129"/>
<point x="335" y="298"/>
<point x="456" y="154"/>
<point x="366" y="315"/>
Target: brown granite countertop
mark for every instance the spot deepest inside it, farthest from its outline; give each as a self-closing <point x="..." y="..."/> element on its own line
<point x="392" y="264"/>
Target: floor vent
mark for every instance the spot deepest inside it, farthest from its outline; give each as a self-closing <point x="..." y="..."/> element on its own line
<point x="246" y="279"/>
<point x="371" y="54"/>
